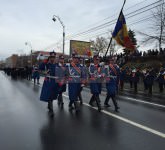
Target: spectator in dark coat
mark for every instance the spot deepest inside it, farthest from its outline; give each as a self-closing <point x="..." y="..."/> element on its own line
<point x="149" y="80"/>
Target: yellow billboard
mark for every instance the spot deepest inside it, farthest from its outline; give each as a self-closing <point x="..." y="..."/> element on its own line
<point x="81" y="48"/>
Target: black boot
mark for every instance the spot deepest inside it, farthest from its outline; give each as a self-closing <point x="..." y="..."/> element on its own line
<point x="50" y="107"/>
<point x="38" y="81"/>
<point x="115" y="104"/>
<point x="80" y="98"/>
<point x="76" y="106"/>
<point x="106" y="101"/>
<point x="91" y="101"/>
<point x="98" y="103"/>
<point x="70" y="105"/>
<point x="60" y="100"/>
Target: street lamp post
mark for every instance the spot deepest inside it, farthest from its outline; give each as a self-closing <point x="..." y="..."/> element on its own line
<point x="63" y="26"/>
<point x="26" y="43"/>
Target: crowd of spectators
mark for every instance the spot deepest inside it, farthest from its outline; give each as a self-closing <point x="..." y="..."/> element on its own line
<point x="154" y="52"/>
<point x="123" y="58"/>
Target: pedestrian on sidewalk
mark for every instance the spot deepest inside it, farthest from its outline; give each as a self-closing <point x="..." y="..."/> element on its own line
<point x="122" y="78"/>
<point x="135" y="78"/>
<point x="150" y="80"/>
<point x="161" y="80"/>
<point x="144" y="75"/>
<point x="130" y="78"/>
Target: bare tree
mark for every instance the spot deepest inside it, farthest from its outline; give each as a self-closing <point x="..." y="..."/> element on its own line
<point x="112" y="48"/>
<point x="100" y="44"/>
<point x="157" y="27"/>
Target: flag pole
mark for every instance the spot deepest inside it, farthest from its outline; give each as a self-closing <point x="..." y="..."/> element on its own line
<point x="111" y="37"/>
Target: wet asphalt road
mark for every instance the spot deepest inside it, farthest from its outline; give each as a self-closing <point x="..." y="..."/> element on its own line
<point x="25" y="123"/>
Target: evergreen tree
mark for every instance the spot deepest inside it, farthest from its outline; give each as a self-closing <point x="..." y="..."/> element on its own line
<point x="131" y="34"/>
<point x="132" y="37"/>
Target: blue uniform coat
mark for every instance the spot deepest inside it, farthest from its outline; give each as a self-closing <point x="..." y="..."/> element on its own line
<point x="74" y="83"/>
<point x="50" y="87"/>
<point x="61" y="73"/>
<point x="35" y="73"/>
<point x="95" y="72"/>
<point x="111" y="80"/>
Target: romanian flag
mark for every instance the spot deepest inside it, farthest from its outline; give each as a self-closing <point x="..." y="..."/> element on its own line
<point x="120" y="33"/>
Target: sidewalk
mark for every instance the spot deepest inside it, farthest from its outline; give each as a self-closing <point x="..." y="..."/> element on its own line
<point x="155" y="88"/>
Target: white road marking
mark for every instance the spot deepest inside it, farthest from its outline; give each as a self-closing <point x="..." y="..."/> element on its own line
<point x="158" y="133"/>
<point x="141" y="101"/>
<point x="132" y="99"/>
<point x="137" y="100"/>
<point x="127" y="121"/>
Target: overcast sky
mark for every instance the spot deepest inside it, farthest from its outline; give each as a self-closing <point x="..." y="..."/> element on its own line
<point x="31" y="21"/>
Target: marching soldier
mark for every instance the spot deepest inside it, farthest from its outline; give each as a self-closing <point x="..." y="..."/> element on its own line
<point x="75" y="76"/>
<point x="14" y="73"/>
<point x="36" y="74"/>
<point x="61" y="80"/>
<point x="118" y="77"/>
<point x="49" y="90"/>
<point x="111" y="81"/>
<point x="95" y="73"/>
<point x="28" y="72"/>
<point x="84" y="71"/>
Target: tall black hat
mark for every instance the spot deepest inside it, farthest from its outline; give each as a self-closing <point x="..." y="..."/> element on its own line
<point x="96" y="56"/>
<point x="74" y="55"/>
<point x="52" y="54"/>
<point x="61" y="56"/>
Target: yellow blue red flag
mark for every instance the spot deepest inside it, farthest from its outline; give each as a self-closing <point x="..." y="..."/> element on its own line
<point x="120" y="33"/>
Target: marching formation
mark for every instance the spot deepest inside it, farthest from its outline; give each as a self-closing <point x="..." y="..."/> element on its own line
<point x="76" y="75"/>
<point x="95" y="75"/>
